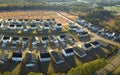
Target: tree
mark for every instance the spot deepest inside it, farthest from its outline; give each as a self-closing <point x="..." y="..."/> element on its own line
<point x="88" y="68"/>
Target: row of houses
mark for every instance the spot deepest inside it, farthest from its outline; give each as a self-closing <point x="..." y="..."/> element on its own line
<point x="15" y="40"/>
<point x="57" y="57"/>
<point x="99" y="30"/>
<point x="80" y="31"/>
<point x="28" y="21"/>
<point x="46" y="27"/>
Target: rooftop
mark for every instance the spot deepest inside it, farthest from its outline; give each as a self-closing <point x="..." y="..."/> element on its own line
<point x="17" y="54"/>
<point x="44" y="55"/>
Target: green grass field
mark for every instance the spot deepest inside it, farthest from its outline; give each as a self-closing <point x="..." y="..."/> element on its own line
<point x="113" y="8"/>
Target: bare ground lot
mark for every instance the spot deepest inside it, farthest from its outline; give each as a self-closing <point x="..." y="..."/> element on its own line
<point x="32" y="15"/>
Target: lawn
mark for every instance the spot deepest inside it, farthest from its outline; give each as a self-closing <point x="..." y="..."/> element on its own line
<point x="113" y="8"/>
<point x="117" y="71"/>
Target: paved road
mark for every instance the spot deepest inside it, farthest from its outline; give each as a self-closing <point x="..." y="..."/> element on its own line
<point x="96" y="36"/>
<point x="111" y="66"/>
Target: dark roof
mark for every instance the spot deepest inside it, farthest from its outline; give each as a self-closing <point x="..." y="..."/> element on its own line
<point x="84" y="33"/>
<point x="62" y="36"/>
<point x="55" y="56"/>
<point x="20" y="19"/>
<point x="18" y="25"/>
<point x="87" y="45"/>
<point x="44" y="38"/>
<point x="12" y="25"/>
<point x="14" y="44"/>
<point x="45" y="55"/>
<point x="15" y="38"/>
<point x="26" y="19"/>
<point x="25" y="38"/>
<point x="6" y="37"/>
<point x="69" y="36"/>
<point x="48" y="19"/>
<point x="51" y="37"/>
<point x="69" y="50"/>
<point x="95" y="43"/>
<point x="17" y="55"/>
<point x="46" y="25"/>
<point x="78" y="50"/>
<point x="37" y="19"/>
<point x="59" y="24"/>
<point x="9" y="19"/>
<point x="30" y="57"/>
<point x="32" y="25"/>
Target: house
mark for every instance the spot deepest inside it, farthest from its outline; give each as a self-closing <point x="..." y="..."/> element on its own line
<point x="78" y="30"/>
<point x="44" y="57"/>
<point x="6" y="39"/>
<point x="1" y="25"/>
<point x="82" y="34"/>
<point x="54" y="40"/>
<point x="40" y="28"/>
<point x="31" y="22"/>
<point x="16" y="56"/>
<point x="37" y="21"/>
<point x="26" y="21"/>
<point x="33" y="27"/>
<point x="94" y="28"/>
<point x="36" y="42"/>
<point x="71" y="24"/>
<point x="53" y="28"/>
<point x="30" y="60"/>
<point x="48" y="21"/>
<point x="79" y="52"/>
<point x="25" y="41"/>
<point x="14" y="45"/>
<point x="4" y="57"/>
<point x="46" y="27"/>
<point x="95" y="44"/>
<point x="67" y="52"/>
<point x="3" y="21"/>
<point x="73" y="28"/>
<point x="15" y="21"/>
<point x="80" y="21"/>
<point x="56" y="57"/>
<point x="19" y="26"/>
<point x="15" y="39"/>
<point x="10" y="21"/>
<point x="59" y="26"/>
<point x="41" y="21"/>
<point x="44" y="40"/>
<point x="70" y="38"/>
<point x="20" y="21"/>
<point x="12" y="26"/>
<point x="62" y="39"/>
<point x="53" y="21"/>
<point x="26" y="28"/>
<point x="86" y="46"/>
<point x="102" y="43"/>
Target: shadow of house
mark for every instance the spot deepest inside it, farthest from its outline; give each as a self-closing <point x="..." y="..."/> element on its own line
<point x="30" y="65"/>
<point x="44" y="61"/>
<point x="59" y="63"/>
<point x="68" y="54"/>
<point x="16" y="60"/>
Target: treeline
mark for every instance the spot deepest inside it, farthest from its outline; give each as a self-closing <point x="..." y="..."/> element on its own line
<point x="37" y="6"/>
<point x="85" y="69"/>
<point x="26" y="4"/>
<point x="96" y="16"/>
